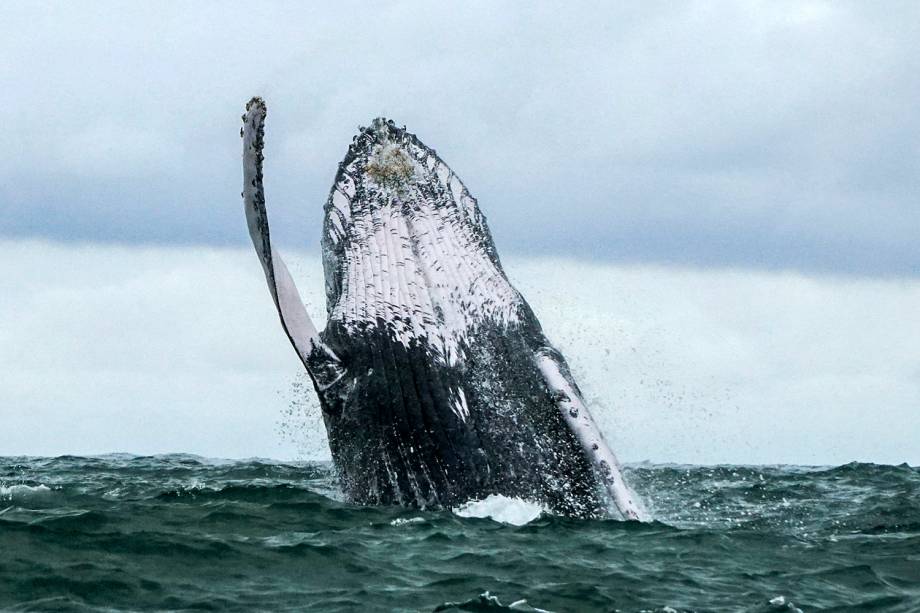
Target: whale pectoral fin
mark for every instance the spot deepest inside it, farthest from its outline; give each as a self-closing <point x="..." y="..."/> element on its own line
<point x="321" y="362"/>
<point x="577" y="417"/>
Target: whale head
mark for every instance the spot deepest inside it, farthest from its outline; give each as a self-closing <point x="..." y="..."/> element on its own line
<point x="406" y="246"/>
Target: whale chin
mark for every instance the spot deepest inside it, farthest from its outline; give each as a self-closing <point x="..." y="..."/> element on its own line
<point x="436" y="381"/>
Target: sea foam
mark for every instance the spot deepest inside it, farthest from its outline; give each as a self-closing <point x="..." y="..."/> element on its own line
<point x="502" y="509"/>
<point x="8" y="492"/>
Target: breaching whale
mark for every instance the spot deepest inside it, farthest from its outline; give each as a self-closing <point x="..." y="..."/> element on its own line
<point x="436" y="382"/>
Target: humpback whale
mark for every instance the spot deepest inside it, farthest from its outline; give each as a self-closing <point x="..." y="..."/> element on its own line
<point x="436" y="382"/>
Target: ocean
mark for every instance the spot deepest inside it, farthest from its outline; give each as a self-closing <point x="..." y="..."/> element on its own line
<point x="185" y="533"/>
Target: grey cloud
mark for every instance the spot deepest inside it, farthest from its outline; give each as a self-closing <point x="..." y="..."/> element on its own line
<point x="769" y="135"/>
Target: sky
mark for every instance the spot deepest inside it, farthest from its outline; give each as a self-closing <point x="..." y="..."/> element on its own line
<point x="711" y="206"/>
<point x="165" y="349"/>
<point x="772" y="135"/>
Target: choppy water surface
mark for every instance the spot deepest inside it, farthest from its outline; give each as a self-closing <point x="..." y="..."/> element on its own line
<point x="182" y="532"/>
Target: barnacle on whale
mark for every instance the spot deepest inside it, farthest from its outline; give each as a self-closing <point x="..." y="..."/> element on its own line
<point x="390" y="166"/>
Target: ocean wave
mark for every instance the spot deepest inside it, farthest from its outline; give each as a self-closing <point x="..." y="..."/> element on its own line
<point x="18" y="491"/>
<point x="181" y="533"/>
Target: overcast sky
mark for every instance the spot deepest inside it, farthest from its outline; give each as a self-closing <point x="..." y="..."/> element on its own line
<point x="713" y="208"/>
<point x="762" y="135"/>
<point x="178" y="349"/>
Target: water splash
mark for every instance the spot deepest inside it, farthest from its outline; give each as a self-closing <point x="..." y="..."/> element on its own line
<point x="503" y="509"/>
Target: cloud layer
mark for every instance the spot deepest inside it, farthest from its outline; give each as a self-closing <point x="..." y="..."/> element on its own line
<point x="169" y="349"/>
<point x="771" y="135"/>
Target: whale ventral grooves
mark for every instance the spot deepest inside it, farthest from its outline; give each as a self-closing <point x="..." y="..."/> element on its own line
<point x="436" y="381"/>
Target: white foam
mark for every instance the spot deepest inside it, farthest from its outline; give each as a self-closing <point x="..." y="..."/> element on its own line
<point x="502" y="509"/>
<point x="8" y="492"/>
<point x="400" y="521"/>
<point x="788" y="605"/>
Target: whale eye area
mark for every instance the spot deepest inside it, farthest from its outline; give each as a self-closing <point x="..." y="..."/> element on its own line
<point x="389" y="166"/>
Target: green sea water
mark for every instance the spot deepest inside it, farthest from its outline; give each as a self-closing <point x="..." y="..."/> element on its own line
<point x="184" y="533"/>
